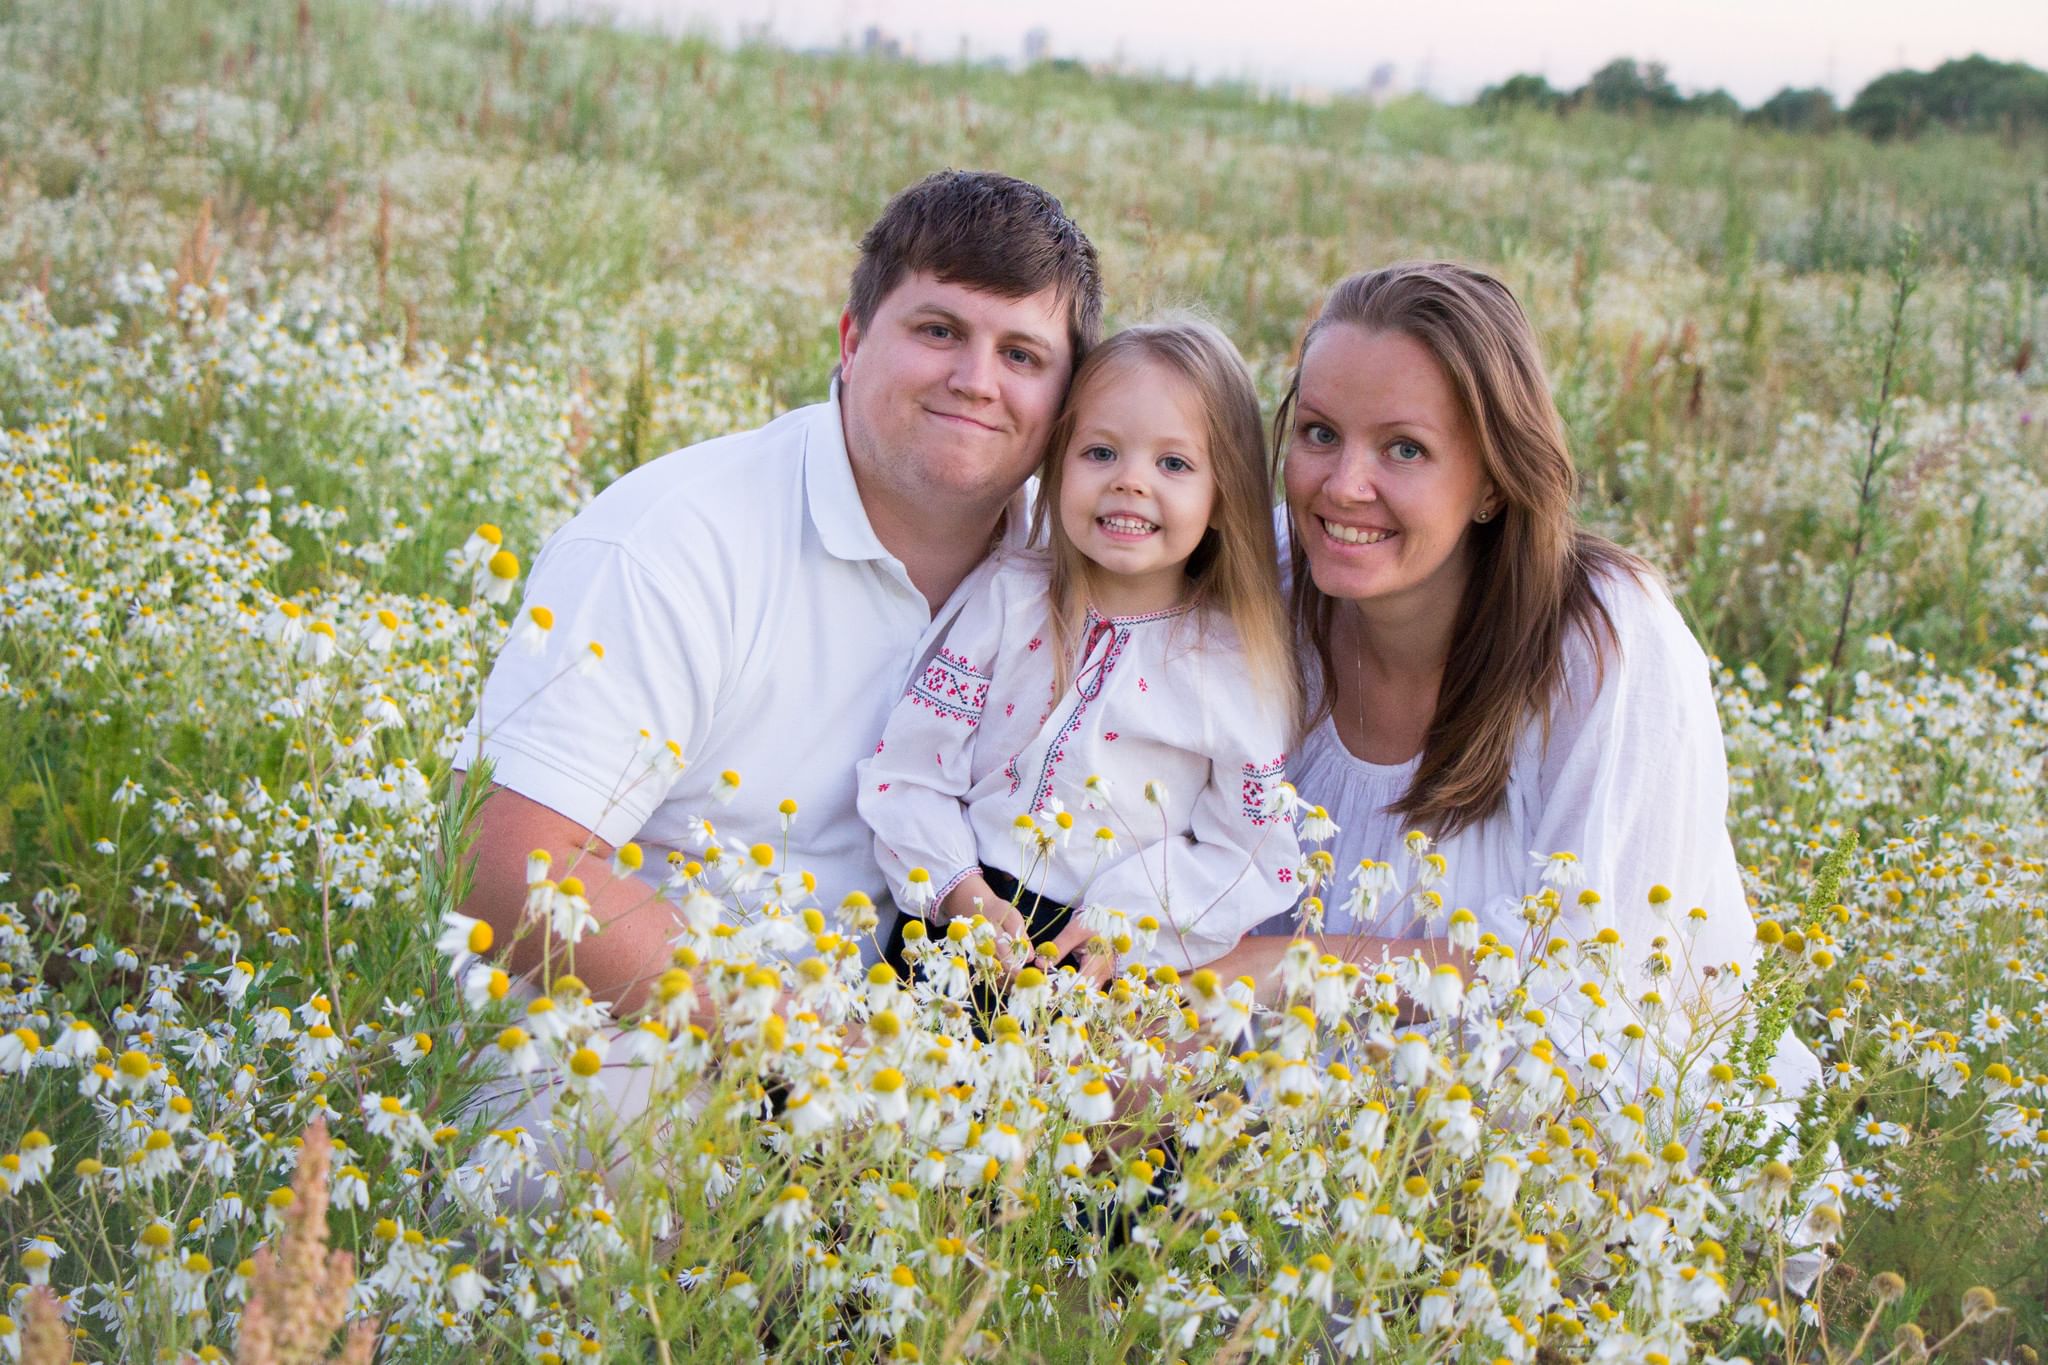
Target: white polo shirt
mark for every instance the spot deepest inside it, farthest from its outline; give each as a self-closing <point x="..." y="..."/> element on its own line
<point x="749" y="613"/>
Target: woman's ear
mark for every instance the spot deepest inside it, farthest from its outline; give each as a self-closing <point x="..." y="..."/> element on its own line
<point x="1490" y="503"/>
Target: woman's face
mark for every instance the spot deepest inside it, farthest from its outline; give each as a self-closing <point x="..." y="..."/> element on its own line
<point x="1383" y="474"/>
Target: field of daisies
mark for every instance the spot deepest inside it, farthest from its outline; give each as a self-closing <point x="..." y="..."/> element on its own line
<point x="315" y="321"/>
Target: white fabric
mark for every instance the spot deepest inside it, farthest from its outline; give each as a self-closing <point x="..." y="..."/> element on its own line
<point x="979" y="739"/>
<point x="749" y="613"/>
<point x="1634" y="781"/>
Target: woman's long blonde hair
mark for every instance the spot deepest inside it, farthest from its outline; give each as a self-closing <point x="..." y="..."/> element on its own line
<point x="1533" y="566"/>
<point x="1234" y="569"/>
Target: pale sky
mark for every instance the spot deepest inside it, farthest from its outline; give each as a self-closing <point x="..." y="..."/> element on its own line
<point x="1451" y="47"/>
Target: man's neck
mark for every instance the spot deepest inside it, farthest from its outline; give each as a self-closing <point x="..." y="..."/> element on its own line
<point x="938" y="544"/>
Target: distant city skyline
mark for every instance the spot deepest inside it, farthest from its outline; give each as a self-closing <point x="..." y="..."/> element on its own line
<point x="1449" y="48"/>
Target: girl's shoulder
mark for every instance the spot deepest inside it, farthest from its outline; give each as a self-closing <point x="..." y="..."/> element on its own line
<point x="1016" y="578"/>
<point x="1022" y="567"/>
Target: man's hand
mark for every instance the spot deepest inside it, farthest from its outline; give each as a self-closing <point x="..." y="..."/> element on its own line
<point x="631" y="945"/>
<point x="1098" y="959"/>
<point x="974" y="896"/>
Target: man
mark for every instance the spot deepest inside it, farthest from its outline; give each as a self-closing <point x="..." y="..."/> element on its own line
<point x="762" y="598"/>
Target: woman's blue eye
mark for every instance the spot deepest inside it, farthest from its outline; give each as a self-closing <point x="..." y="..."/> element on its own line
<point x="1098" y="454"/>
<point x="1317" y="434"/>
<point x="1406" y="452"/>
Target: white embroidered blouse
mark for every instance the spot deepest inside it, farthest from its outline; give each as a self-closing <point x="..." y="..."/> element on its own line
<point x="980" y="739"/>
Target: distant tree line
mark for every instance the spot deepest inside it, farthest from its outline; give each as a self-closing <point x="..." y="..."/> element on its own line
<point x="1972" y="94"/>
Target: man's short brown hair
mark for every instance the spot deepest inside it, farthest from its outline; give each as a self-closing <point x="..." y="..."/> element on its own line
<point x="990" y="232"/>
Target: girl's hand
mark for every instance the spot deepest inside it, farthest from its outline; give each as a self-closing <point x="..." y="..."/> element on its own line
<point x="1097" y="964"/>
<point x="974" y="896"/>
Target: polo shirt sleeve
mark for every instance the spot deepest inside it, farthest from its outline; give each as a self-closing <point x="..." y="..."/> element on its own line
<point x="597" y="739"/>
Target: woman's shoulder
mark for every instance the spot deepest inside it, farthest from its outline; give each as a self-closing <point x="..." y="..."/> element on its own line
<point x="1634" y="639"/>
<point x="1637" y="604"/>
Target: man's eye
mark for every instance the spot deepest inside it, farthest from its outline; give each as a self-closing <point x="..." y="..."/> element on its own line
<point x="1021" y="357"/>
<point x="938" y="331"/>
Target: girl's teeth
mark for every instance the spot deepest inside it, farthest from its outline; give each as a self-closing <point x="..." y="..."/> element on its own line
<point x="1127" y="524"/>
<point x="1350" y="535"/>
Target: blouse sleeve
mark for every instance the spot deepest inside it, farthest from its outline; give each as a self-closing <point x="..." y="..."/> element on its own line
<point x="911" y="791"/>
<point x="1237" y="863"/>
<point x="1634" y="783"/>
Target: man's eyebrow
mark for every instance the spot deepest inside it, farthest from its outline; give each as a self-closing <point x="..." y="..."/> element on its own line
<point x="952" y="319"/>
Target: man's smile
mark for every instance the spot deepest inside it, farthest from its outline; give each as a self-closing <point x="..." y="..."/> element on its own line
<point x="961" y="419"/>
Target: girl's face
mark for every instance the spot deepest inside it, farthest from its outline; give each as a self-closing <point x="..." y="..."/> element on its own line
<point x="1384" y="477"/>
<point x="1137" y="486"/>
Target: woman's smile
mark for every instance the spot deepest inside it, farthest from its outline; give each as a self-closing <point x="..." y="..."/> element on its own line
<point x="1355" y="535"/>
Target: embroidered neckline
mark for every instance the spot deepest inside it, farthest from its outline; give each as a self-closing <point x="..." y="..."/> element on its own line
<point x="1139" y="618"/>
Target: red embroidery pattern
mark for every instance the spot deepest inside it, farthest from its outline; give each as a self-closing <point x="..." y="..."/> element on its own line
<point x="1088" y="684"/>
<point x="951" y="688"/>
<point x="1036" y="641"/>
<point x="1109" y="735"/>
<point x="1258" y="780"/>
<point x="1142" y="687"/>
<point x="881" y="786"/>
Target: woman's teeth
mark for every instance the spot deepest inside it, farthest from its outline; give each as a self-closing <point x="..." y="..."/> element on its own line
<point x="1130" y="526"/>
<point x="1354" y="535"/>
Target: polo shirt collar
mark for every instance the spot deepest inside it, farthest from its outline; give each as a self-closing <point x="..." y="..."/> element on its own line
<point x="833" y="498"/>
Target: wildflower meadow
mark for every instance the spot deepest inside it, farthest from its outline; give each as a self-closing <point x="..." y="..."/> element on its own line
<point x="316" y="320"/>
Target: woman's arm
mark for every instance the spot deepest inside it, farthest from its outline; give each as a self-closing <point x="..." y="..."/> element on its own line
<point x="1258" y="956"/>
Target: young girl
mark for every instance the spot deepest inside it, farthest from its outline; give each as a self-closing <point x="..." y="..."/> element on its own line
<point x="1104" y="728"/>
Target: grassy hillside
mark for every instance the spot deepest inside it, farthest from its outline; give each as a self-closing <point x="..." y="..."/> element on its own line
<point x="293" y="300"/>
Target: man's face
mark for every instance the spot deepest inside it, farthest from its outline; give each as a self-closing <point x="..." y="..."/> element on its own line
<point x="948" y="392"/>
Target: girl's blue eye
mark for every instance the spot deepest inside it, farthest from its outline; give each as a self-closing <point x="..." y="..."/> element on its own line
<point x="1098" y="454"/>
<point x="1406" y="452"/>
<point x="1176" y="464"/>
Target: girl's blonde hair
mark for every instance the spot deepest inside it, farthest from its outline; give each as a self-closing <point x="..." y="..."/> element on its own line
<point x="1234" y="569"/>
<point x="1535" y="570"/>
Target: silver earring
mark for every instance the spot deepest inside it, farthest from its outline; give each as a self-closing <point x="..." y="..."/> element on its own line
<point x="1484" y="514"/>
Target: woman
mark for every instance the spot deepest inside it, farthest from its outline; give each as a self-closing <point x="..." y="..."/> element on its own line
<point x="1484" y="670"/>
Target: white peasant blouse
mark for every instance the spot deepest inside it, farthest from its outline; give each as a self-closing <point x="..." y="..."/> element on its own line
<point x="980" y="739"/>
<point x="1633" y="782"/>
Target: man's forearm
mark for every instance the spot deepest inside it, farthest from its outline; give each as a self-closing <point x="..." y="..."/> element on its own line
<point x="630" y="947"/>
